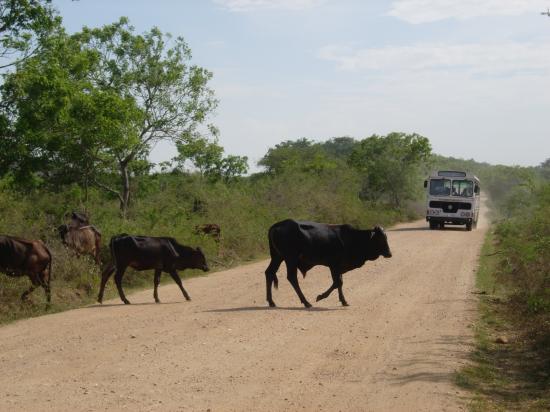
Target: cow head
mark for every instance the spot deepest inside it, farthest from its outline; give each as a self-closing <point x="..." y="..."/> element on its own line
<point x="380" y="242"/>
<point x="63" y="230"/>
<point x="198" y="260"/>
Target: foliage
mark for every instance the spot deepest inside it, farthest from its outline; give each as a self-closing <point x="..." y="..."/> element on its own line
<point x="98" y="100"/>
<point x="391" y="166"/>
<point x="207" y="157"/>
<point x="24" y="24"/>
<point x="514" y="278"/>
<point x="524" y="240"/>
<point x="299" y="155"/>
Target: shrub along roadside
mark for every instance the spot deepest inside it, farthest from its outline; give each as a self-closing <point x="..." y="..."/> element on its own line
<point x="510" y="366"/>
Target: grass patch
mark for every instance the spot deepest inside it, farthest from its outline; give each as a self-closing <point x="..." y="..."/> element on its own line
<point x="510" y="376"/>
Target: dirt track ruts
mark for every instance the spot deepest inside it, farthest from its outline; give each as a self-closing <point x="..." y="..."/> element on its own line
<point x="394" y="349"/>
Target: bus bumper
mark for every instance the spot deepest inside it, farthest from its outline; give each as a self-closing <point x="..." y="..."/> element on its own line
<point x="450" y="220"/>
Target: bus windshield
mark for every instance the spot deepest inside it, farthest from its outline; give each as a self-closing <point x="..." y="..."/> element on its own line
<point x="463" y="188"/>
<point x="440" y="187"/>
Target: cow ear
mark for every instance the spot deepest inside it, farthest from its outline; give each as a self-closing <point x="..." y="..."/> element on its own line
<point x="199" y="249"/>
<point x="379" y="229"/>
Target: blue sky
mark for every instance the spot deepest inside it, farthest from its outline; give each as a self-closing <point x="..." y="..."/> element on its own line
<point x="471" y="75"/>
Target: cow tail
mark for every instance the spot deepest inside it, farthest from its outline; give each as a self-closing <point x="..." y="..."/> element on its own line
<point x="49" y="264"/>
<point x="112" y="249"/>
<point x="273" y="252"/>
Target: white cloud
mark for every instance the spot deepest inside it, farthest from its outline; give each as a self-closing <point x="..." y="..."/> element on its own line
<point x="477" y="59"/>
<point x="425" y="11"/>
<point x="249" y="5"/>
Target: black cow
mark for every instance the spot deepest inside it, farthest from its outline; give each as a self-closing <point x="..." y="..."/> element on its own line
<point x="19" y="257"/>
<point x="163" y="254"/>
<point x="303" y="245"/>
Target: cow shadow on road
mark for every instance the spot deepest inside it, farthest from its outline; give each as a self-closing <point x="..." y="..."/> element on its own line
<point x="267" y="308"/>
<point x="110" y="305"/>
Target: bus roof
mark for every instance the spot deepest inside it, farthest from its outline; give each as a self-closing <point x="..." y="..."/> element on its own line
<point x="453" y="174"/>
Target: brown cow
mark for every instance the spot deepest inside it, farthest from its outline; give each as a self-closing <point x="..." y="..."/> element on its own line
<point x="162" y="254"/>
<point x="20" y="257"/>
<point x="209" y="229"/>
<point x="82" y="237"/>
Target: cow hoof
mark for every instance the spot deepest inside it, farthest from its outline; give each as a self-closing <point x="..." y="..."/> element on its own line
<point x="126" y="302"/>
<point x="157" y="301"/>
<point x="272" y="305"/>
<point x="345" y="304"/>
<point x="319" y="298"/>
<point x="307" y="305"/>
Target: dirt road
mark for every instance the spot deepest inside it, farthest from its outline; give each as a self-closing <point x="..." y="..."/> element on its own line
<point x="394" y="349"/>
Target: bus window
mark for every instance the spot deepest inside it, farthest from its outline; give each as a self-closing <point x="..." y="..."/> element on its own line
<point x="463" y="188"/>
<point x="440" y="187"/>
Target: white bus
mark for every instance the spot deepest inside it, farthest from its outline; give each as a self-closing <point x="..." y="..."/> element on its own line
<point x="452" y="197"/>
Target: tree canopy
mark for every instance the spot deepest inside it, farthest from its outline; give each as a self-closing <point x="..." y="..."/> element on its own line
<point x="92" y="105"/>
<point x="391" y="165"/>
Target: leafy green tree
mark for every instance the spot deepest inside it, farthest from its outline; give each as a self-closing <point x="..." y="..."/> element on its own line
<point x="171" y="93"/>
<point x="23" y="25"/>
<point x="99" y="100"/>
<point x="298" y="155"/>
<point x="208" y="158"/>
<point x="391" y="165"/>
<point x="339" y="147"/>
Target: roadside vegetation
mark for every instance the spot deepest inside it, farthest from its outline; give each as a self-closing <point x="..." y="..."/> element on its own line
<point x="510" y="365"/>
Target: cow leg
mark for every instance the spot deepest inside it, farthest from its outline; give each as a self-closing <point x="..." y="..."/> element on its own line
<point x="326" y="293"/>
<point x="107" y="272"/>
<point x="34" y="284"/>
<point x="271" y="277"/>
<point x="335" y="284"/>
<point x="27" y="292"/>
<point x="340" y="292"/>
<point x="177" y="279"/>
<point x="156" y="283"/>
<point x="292" y="276"/>
<point x="45" y="283"/>
<point x="118" y="280"/>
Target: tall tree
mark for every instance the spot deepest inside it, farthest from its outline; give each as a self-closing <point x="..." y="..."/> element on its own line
<point x="100" y="99"/>
<point x="391" y="165"/>
<point x="157" y="75"/>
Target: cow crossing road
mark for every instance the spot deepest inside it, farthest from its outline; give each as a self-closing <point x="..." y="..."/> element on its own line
<point x="394" y="349"/>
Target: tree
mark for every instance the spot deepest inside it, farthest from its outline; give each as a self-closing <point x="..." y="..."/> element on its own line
<point x="62" y="127"/>
<point x="171" y="94"/>
<point x="391" y="165"/>
<point x="339" y="147"/>
<point x="298" y="155"/>
<point x="23" y="25"/>
<point x="208" y="158"/>
<point x="100" y="99"/>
